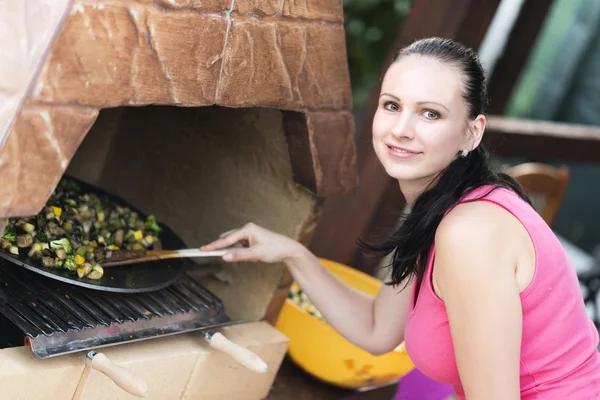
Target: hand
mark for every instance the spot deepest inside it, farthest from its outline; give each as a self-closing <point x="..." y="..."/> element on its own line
<point x="259" y="243"/>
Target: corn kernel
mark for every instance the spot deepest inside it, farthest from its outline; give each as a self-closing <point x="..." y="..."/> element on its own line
<point x="57" y="211"/>
<point x="138" y="235"/>
<point x="79" y="260"/>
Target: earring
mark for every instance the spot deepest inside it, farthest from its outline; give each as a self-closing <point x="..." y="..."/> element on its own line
<point x="464" y="153"/>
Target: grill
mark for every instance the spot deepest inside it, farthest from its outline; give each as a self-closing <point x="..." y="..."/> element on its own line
<point x="56" y="318"/>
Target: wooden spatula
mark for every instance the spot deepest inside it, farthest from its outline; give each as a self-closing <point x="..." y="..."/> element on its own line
<point x="124" y="257"/>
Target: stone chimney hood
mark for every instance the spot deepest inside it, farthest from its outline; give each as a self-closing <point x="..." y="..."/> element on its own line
<point x="68" y="59"/>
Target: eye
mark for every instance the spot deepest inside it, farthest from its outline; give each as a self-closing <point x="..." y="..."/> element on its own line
<point x="431" y="115"/>
<point x="391" y="106"/>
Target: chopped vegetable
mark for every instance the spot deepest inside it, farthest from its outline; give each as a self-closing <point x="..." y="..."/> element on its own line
<point x="5" y="244"/>
<point x="300" y="298"/>
<point x="48" y="262"/>
<point x="63" y="243"/>
<point x="10" y="235"/>
<point x="97" y="272"/>
<point x="69" y="186"/>
<point x="70" y="263"/>
<point x="137" y="246"/>
<point x="35" y="249"/>
<point x="119" y="235"/>
<point x="77" y="230"/>
<point x="61" y="254"/>
<point x="148" y="240"/>
<point x="99" y="213"/>
<point x="152" y="225"/>
<point x="27" y="227"/>
<point x="84" y="270"/>
<point x="68" y="226"/>
<point x="41" y="237"/>
<point x="25" y="240"/>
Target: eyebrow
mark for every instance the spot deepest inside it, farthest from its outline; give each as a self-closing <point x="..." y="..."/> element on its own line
<point x="421" y="102"/>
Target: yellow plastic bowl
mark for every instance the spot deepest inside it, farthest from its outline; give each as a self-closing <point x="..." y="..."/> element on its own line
<point x="322" y="352"/>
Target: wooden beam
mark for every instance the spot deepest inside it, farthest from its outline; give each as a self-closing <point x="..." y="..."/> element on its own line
<point x="542" y="129"/>
<point x="345" y="219"/>
<point x="517" y="50"/>
<point x="542" y="141"/>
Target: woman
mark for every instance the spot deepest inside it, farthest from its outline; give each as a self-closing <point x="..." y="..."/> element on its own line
<point x="480" y="288"/>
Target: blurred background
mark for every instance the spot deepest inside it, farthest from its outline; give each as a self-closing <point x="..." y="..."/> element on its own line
<point x="542" y="58"/>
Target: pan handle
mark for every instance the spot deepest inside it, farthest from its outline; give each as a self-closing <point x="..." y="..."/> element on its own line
<point x="241" y="354"/>
<point x="122" y="377"/>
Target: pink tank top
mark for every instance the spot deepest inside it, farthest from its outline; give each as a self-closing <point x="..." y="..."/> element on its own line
<point x="559" y="356"/>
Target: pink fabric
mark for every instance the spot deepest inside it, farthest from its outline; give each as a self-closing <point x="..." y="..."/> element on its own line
<point x="559" y="356"/>
<point x="416" y="386"/>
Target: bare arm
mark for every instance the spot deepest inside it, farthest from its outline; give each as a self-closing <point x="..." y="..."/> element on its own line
<point x="374" y="324"/>
<point x="475" y="272"/>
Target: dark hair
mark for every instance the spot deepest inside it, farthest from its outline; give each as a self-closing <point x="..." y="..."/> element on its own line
<point x="413" y="239"/>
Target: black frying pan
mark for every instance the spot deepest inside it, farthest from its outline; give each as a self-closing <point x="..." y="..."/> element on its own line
<point x="136" y="278"/>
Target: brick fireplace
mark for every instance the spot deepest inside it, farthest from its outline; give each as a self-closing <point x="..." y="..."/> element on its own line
<point x="208" y="114"/>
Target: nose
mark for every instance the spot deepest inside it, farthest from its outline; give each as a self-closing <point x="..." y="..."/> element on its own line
<point x="403" y="126"/>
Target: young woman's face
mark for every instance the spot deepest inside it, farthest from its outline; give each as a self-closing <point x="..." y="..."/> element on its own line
<point x="421" y="123"/>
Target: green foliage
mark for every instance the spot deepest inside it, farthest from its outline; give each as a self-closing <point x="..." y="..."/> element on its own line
<point x="371" y="26"/>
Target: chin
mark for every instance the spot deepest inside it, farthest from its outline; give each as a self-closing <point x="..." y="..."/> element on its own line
<point x="404" y="173"/>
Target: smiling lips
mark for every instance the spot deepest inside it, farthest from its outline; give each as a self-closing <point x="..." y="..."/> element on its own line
<point x="400" y="152"/>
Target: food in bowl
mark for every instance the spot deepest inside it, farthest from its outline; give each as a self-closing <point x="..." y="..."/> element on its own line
<point x="298" y="297"/>
<point x="322" y="352"/>
<point x="76" y="230"/>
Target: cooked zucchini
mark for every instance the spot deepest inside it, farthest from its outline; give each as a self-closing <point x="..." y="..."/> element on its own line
<point x="75" y="230"/>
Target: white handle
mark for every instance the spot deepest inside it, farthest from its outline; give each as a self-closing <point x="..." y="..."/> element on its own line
<point x="123" y="378"/>
<point x="241" y="354"/>
<point x="199" y="253"/>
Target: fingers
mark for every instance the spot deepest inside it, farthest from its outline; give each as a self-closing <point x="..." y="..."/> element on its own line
<point x="227" y="233"/>
<point x="247" y="254"/>
<point x="243" y="243"/>
<point x="230" y="238"/>
<point x="225" y="241"/>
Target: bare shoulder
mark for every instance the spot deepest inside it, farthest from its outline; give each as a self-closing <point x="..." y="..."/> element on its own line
<point x="475" y="234"/>
<point x="477" y="220"/>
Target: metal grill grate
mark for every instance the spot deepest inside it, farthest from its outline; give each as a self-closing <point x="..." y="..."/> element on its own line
<point x="59" y="318"/>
